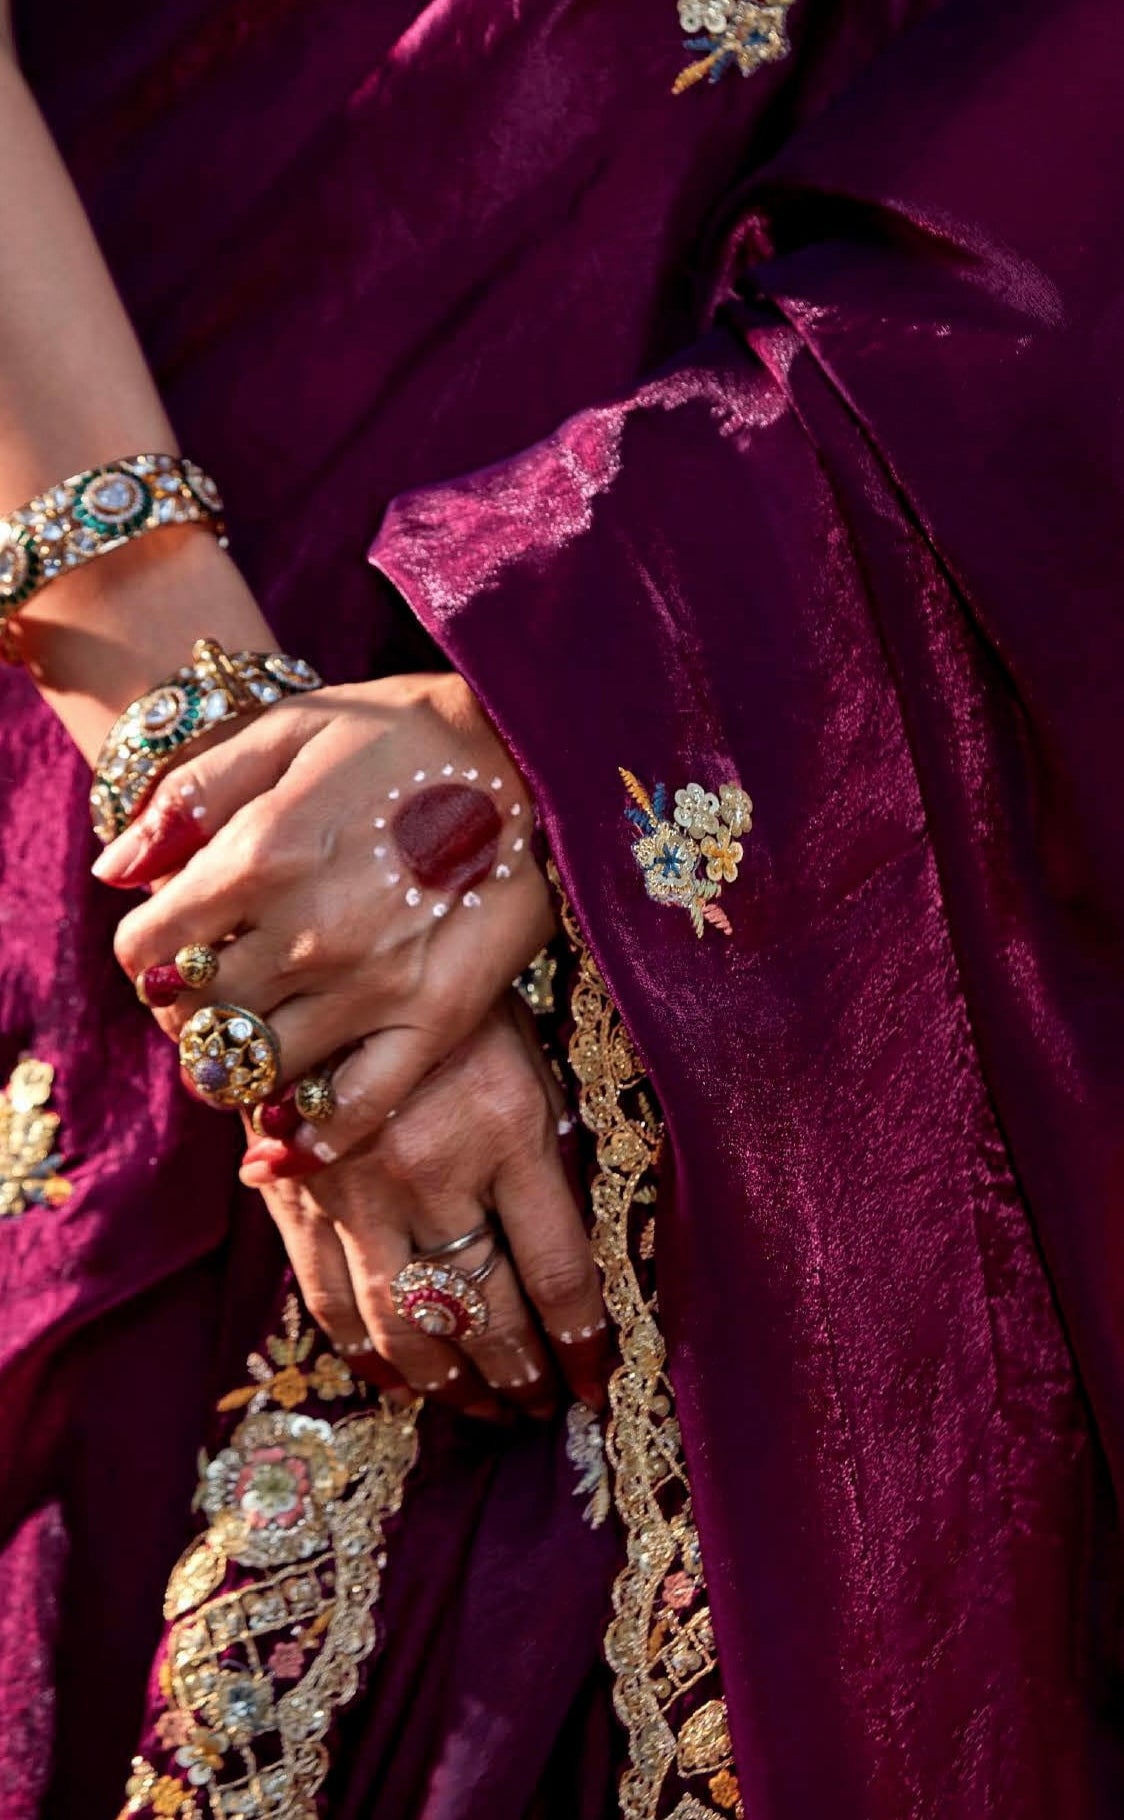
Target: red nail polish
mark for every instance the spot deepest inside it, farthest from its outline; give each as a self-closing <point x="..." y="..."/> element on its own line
<point x="280" y="1159"/>
<point x="175" y="838"/>
<point x="278" y="1118"/>
<point x="161" y="986"/>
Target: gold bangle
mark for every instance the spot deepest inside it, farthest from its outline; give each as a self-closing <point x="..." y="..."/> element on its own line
<point x="142" y="743"/>
<point x="91" y="514"/>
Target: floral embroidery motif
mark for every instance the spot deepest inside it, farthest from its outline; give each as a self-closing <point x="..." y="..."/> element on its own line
<point x="29" y="1163"/>
<point x="272" y="1607"/>
<point x="660" y="1644"/>
<point x="731" y="34"/>
<point x="585" y="1450"/>
<point x="688" y="858"/>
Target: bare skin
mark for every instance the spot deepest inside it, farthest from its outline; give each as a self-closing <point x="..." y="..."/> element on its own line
<point x="75" y="392"/>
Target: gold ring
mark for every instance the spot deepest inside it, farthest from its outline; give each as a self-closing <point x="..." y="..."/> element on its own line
<point x="230" y="1056"/>
<point x="197" y="964"/>
<point x="441" y="1301"/>
<point x="315" y="1098"/>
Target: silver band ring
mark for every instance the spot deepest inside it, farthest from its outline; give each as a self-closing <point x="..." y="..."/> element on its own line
<point x="456" y="1246"/>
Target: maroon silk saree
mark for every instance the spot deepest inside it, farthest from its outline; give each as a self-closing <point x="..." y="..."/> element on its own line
<point x="786" y="416"/>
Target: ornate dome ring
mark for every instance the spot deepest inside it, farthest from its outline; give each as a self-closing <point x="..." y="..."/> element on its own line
<point x="230" y="1057"/>
<point x="194" y="966"/>
<point x="315" y="1098"/>
<point x="441" y="1301"/>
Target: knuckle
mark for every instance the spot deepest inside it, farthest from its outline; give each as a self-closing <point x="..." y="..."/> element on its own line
<point x="518" y="1103"/>
<point x="328" y="1309"/>
<point x="557" y="1279"/>
<point x="261" y="843"/>
<point x="307" y="950"/>
<point x="416" y="1150"/>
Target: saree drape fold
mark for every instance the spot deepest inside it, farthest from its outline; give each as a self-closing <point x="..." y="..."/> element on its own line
<point x="831" y="555"/>
<point x="856" y="551"/>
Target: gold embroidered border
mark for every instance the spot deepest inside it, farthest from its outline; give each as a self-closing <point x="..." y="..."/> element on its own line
<point x="272" y="1607"/>
<point x="660" y="1644"/>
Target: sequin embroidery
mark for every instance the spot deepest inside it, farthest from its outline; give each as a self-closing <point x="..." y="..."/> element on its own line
<point x="272" y="1609"/>
<point x="689" y="852"/>
<point x="660" y="1644"/>
<point x="731" y="34"/>
<point x="29" y="1163"/>
<point x="585" y="1450"/>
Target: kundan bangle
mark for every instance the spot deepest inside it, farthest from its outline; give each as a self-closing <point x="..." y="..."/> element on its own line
<point x="91" y="514"/>
<point x="142" y="743"/>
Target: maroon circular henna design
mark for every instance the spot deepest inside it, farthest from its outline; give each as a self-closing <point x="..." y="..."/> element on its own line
<point x="448" y="835"/>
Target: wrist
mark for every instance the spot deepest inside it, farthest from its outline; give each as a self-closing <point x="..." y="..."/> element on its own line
<point x="96" y="639"/>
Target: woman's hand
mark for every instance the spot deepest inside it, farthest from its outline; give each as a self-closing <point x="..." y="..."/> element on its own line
<point x="480" y="1135"/>
<point x="361" y="859"/>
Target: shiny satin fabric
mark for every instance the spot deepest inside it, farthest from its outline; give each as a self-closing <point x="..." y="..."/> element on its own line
<point x="824" y="548"/>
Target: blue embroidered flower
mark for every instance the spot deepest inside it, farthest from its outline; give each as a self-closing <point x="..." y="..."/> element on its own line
<point x="686" y="861"/>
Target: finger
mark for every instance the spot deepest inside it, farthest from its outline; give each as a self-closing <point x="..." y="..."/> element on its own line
<point x="509" y="1354"/>
<point x="213" y="893"/>
<point x="318" y="1261"/>
<point x="551" y="1251"/>
<point x="248" y="974"/>
<point x="199" y="797"/>
<point x="377" y="1077"/>
<point x="354" y="983"/>
<point x="375" y="1250"/>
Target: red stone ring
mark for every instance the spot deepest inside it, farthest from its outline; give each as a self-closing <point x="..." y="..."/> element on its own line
<point x="194" y="966"/>
<point x="441" y="1301"/>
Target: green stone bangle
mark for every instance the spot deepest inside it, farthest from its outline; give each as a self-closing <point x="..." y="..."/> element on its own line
<point x="91" y="514"/>
<point x="141" y="745"/>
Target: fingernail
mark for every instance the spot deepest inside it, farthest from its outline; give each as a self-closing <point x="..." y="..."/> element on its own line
<point x="159" y="987"/>
<point x="269" y="1160"/>
<point x="158" y="844"/>
<point x="309" y="1140"/>
<point x="277" y="1118"/>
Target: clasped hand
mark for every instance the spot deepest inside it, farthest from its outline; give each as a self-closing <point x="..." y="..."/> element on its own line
<point x="361" y="860"/>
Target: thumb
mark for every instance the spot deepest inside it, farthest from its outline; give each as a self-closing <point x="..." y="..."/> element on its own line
<point x="196" y="799"/>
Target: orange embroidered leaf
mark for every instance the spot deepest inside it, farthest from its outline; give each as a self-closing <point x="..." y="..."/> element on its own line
<point x="636" y="790"/>
<point x="237" y="1399"/>
<point x="716" y="915"/>
<point x="694" y="72"/>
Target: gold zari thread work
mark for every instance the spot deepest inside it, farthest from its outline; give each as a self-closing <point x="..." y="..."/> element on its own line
<point x="272" y="1609"/>
<point x="660" y="1644"/>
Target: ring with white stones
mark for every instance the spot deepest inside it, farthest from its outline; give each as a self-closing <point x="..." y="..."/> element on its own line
<point x="230" y="1057"/>
<point x="441" y="1301"/>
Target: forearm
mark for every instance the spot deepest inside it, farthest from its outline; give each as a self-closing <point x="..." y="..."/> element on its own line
<point x="75" y="392"/>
